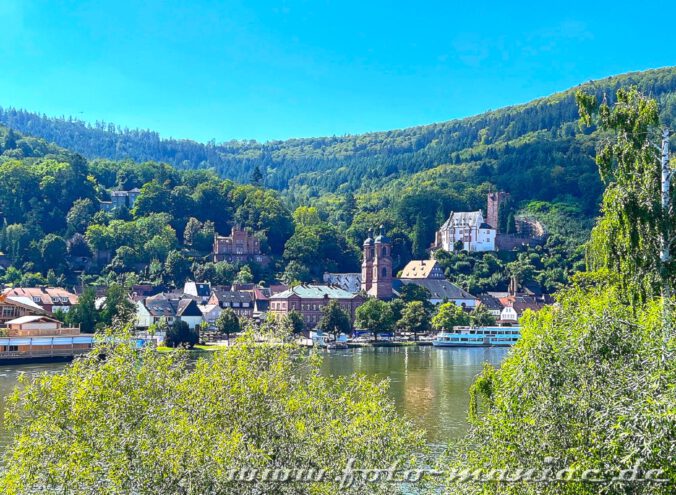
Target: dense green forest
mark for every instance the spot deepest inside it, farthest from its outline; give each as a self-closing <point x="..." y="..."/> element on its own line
<point x="408" y="180"/>
<point x="536" y="150"/>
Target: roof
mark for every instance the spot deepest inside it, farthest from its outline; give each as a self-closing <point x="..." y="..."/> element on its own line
<point x="160" y="307"/>
<point x="233" y="295"/>
<point x="440" y="289"/>
<point x="188" y="307"/>
<point x="522" y="303"/>
<point x="197" y="289"/>
<point x="490" y="302"/>
<point x="46" y="295"/>
<point x="465" y="219"/>
<point x="31" y="318"/>
<point x="24" y="301"/>
<point x="350" y="282"/>
<point x="308" y="291"/>
<point x="422" y="269"/>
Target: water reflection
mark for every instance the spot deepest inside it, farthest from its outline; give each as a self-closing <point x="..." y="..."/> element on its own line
<point x="429" y="384"/>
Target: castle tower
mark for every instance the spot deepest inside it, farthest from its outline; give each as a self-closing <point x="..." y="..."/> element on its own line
<point x="381" y="281"/>
<point x="495" y="201"/>
<point x="367" y="263"/>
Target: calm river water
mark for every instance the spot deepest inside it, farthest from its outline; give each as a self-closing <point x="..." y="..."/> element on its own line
<point x="428" y="384"/>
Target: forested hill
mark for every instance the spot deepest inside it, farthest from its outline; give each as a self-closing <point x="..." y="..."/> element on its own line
<point x="534" y="150"/>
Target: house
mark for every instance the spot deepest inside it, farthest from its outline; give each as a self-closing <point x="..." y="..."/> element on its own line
<point x="51" y="299"/>
<point x="143" y="317"/>
<point x="118" y="199"/>
<point x="172" y="307"/>
<point x="210" y="312"/>
<point x="12" y="307"/>
<point x="241" y="302"/>
<point x="492" y="304"/>
<point x="351" y="282"/>
<point x="442" y="291"/>
<point x="425" y="269"/>
<point x="309" y="300"/>
<point x="241" y="246"/>
<point x="466" y="231"/>
<point x="515" y="305"/>
<point x="201" y="291"/>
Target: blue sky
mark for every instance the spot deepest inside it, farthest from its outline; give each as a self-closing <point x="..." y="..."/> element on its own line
<point x="273" y="70"/>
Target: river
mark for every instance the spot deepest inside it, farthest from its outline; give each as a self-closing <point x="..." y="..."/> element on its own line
<point x="428" y="384"/>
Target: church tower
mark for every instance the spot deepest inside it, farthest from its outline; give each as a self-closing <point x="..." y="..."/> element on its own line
<point x="367" y="263"/>
<point x="381" y="267"/>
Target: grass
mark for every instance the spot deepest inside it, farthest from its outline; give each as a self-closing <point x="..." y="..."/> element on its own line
<point x="197" y="348"/>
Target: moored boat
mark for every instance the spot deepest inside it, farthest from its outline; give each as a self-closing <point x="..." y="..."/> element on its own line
<point x="478" y="337"/>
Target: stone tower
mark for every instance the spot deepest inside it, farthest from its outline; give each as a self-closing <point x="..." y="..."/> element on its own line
<point x="495" y="201"/>
<point x="367" y="263"/>
<point x="376" y="269"/>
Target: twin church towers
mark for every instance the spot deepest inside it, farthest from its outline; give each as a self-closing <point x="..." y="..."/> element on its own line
<point x="376" y="269"/>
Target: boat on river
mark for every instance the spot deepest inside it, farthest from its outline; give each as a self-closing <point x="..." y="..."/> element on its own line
<point x="478" y="337"/>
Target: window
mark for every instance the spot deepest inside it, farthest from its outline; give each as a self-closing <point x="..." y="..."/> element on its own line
<point x="384" y="271"/>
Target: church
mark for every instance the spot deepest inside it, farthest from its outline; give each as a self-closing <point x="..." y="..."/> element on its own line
<point x="376" y="268"/>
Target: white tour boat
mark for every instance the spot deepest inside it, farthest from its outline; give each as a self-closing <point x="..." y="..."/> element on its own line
<point x="478" y="337"/>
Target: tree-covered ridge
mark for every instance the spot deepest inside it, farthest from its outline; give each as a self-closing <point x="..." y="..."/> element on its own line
<point x="500" y="143"/>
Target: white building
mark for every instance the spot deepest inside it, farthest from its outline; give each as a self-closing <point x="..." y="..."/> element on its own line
<point x="468" y="230"/>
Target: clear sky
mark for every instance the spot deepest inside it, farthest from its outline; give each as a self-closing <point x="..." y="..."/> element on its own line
<point x="270" y="70"/>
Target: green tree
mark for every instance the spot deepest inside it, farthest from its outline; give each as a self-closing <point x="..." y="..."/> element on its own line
<point x="627" y="238"/>
<point x="84" y="314"/>
<point x="177" y="267"/>
<point x="53" y="250"/>
<point x="244" y="276"/>
<point x="157" y="423"/>
<point x="80" y="215"/>
<point x="257" y="176"/>
<point x="334" y="320"/>
<point x="117" y="306"/>
<point x="375" y="316"/>
<point x="481" y="317"/>
<point x="449" y="315"/>
<point x="296" y="322"/>
<point x="179" y="334"/>
<point x="415" y="318"/>
<point x="228" y="323"/>
<point x="585" y="388"/>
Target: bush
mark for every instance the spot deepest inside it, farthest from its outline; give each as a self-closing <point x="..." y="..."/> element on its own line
<point x="180" y="334"/>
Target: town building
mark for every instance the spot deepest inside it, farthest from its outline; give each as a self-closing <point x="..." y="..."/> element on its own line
<point x="376" y="267"/>
<point x="466" y="231"/>
<point x="309" y="300"/>
<point x="241" y="302"/>
<point x="424" y="269"/>
<point x="172" y="307"/>
<point x="492" y="304"/>
<point x="51" y="299"/>
<point x="241" y="246"/>
<point x="199" y="291"/>
<point x="441" y="291"/>
<point x="12" y="307"/>
<point x="119" y="199"/>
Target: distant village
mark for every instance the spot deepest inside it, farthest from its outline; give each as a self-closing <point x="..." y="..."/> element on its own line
<point x="31" y="312"/>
